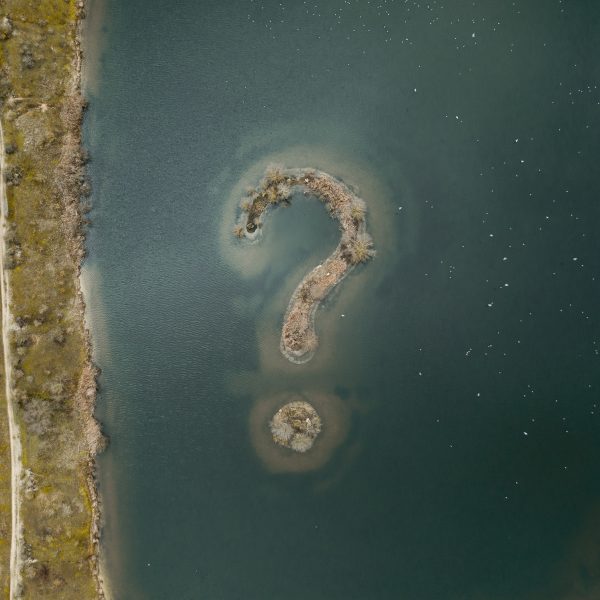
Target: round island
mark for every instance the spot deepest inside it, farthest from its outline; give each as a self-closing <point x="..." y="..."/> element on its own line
<point x="296" y="426"/>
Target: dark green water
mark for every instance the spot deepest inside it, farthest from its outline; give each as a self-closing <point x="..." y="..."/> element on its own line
<point x="469" y="351"/>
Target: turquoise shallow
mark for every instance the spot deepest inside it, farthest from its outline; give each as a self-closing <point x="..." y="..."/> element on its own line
<point x="458" y="373"/>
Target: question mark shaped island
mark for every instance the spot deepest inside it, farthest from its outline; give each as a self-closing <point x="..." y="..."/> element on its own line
<point x="298" y="338"/>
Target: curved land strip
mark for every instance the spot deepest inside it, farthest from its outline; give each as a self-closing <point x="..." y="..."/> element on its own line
<point x="49" y="382"/>
<point x="298" y="338"/>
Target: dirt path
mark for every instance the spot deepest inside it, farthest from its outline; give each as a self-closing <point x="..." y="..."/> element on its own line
<point x="15" y="439"/>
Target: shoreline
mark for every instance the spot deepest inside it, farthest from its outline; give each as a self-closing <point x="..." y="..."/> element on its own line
<point x="53" y="345"/>
<point x="88" y="384"/>
<point x="299" y="340"/>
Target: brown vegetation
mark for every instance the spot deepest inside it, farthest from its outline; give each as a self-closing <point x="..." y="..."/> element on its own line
<point x="298" y="338"/>
<point x="296" y="425"/>
<point x="53" y="380"/>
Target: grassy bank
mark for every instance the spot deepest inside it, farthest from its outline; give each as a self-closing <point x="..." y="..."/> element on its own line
<point x="52" y="379"/>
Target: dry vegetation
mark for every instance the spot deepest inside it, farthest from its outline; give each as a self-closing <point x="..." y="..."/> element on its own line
<point x="298" y="337"/>
<point x="296" y="425"/>
<point x="54" y="382"/>
<point x="5" y="504"/>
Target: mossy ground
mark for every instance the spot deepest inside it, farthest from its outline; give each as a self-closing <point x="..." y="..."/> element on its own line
<point x="40" y="116"/>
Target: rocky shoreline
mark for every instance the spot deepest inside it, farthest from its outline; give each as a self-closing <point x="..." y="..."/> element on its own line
<point x="298" y="337"/>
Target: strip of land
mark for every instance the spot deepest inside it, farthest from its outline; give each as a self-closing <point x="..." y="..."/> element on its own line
<point x="298" y="337"/>
<point x="48" y="393"/>
<point x="13" y="440"/>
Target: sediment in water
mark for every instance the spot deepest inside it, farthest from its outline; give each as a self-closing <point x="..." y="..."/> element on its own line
<point x="333" y="430"/>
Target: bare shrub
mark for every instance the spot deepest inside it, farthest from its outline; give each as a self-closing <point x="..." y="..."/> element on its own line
<point x="37" y="415"/>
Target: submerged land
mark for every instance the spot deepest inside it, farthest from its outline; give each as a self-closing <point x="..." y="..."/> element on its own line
<point x="298" y="337"/>
<point x="49" y="514"/>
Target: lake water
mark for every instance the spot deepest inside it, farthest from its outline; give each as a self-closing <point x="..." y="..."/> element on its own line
<point x="459" y="390"/>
